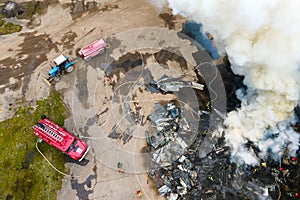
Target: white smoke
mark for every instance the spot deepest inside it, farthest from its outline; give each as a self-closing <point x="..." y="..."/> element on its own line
<point x="159" y="3"/>
<point x="262" y="41"/>
<point x="277" y="140"/>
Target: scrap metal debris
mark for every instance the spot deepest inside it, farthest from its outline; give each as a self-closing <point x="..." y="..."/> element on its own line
<point x="180" y="173"/>
<point x="168" y="84"/>
<point x="167" y="141"/>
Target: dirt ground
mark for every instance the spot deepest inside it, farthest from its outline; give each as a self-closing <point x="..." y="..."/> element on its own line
<point x="97" y="109"/>
<point x="29" y="54"/>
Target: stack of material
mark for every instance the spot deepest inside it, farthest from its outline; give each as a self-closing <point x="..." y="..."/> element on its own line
<point x="167" y="140"/>
<point x="180" y="173"/>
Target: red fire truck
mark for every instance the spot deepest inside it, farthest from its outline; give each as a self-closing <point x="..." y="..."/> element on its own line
<point x="58" y="137"/>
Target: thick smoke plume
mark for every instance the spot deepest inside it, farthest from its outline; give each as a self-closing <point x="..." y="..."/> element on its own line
<point x="262" y="41"/>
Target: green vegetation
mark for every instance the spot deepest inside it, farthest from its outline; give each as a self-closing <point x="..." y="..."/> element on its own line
<point x="2" y="22"/>
<point x="25" y="174"/>
<point x="8" y="27"/>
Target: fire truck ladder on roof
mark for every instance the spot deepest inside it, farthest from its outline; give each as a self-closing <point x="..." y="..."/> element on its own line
<point x="50" y="132"/>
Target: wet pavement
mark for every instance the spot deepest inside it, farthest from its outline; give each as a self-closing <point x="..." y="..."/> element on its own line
<point x="107" y="114"/>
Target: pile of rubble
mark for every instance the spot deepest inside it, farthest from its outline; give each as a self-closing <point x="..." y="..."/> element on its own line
<point x="168" y="140"/>
<point x="167" y="84"/>
<point x="180" y="173"/>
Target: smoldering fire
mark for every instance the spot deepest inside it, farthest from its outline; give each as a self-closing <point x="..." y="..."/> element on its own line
<point x="260" y="38"/>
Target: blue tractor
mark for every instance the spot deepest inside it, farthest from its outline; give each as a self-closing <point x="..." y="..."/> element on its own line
<point x="62" y="65"/>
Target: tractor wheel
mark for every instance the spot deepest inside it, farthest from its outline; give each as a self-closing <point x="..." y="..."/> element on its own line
<point x="43" y="116"/>
<point x="102" y="51"/>
<point x="50" y="79"/>
<point x="56" y="78"/>
<point x="70" y="69"/>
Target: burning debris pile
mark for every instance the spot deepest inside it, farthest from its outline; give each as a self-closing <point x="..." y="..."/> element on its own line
<point x="169" y="140"/>
<point x="261" y="134"/>
<point x="272" y="84"/>
<point x="180" y="173"/>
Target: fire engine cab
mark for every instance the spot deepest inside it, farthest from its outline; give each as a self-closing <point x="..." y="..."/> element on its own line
<point x="58" y="137"/>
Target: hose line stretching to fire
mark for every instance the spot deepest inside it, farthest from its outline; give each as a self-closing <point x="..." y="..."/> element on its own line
<point x="131" y="89"/>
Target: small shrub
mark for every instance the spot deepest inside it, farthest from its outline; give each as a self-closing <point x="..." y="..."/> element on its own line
<point x="9" y="28"/>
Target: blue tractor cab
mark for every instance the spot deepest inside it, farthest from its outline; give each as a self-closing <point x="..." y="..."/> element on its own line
<point x="53" y="71"/>
<point x="62" y="65"/>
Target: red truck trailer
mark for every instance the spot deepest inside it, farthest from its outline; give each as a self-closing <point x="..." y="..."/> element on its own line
<point x="93" y="49"/>
<point x="58" y="137"/>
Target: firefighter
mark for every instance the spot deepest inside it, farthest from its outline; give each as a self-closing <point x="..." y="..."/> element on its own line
<point x="139" y="193"/>
<point x="107" y="81"/>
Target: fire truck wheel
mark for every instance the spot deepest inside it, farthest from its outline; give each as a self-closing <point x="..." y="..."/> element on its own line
<point x="70" y="69"/>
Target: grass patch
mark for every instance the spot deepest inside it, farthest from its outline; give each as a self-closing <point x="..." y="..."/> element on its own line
<point x="2" y="22"/>
<point x="24" y="173"/>
<point x="8" y="27"/>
